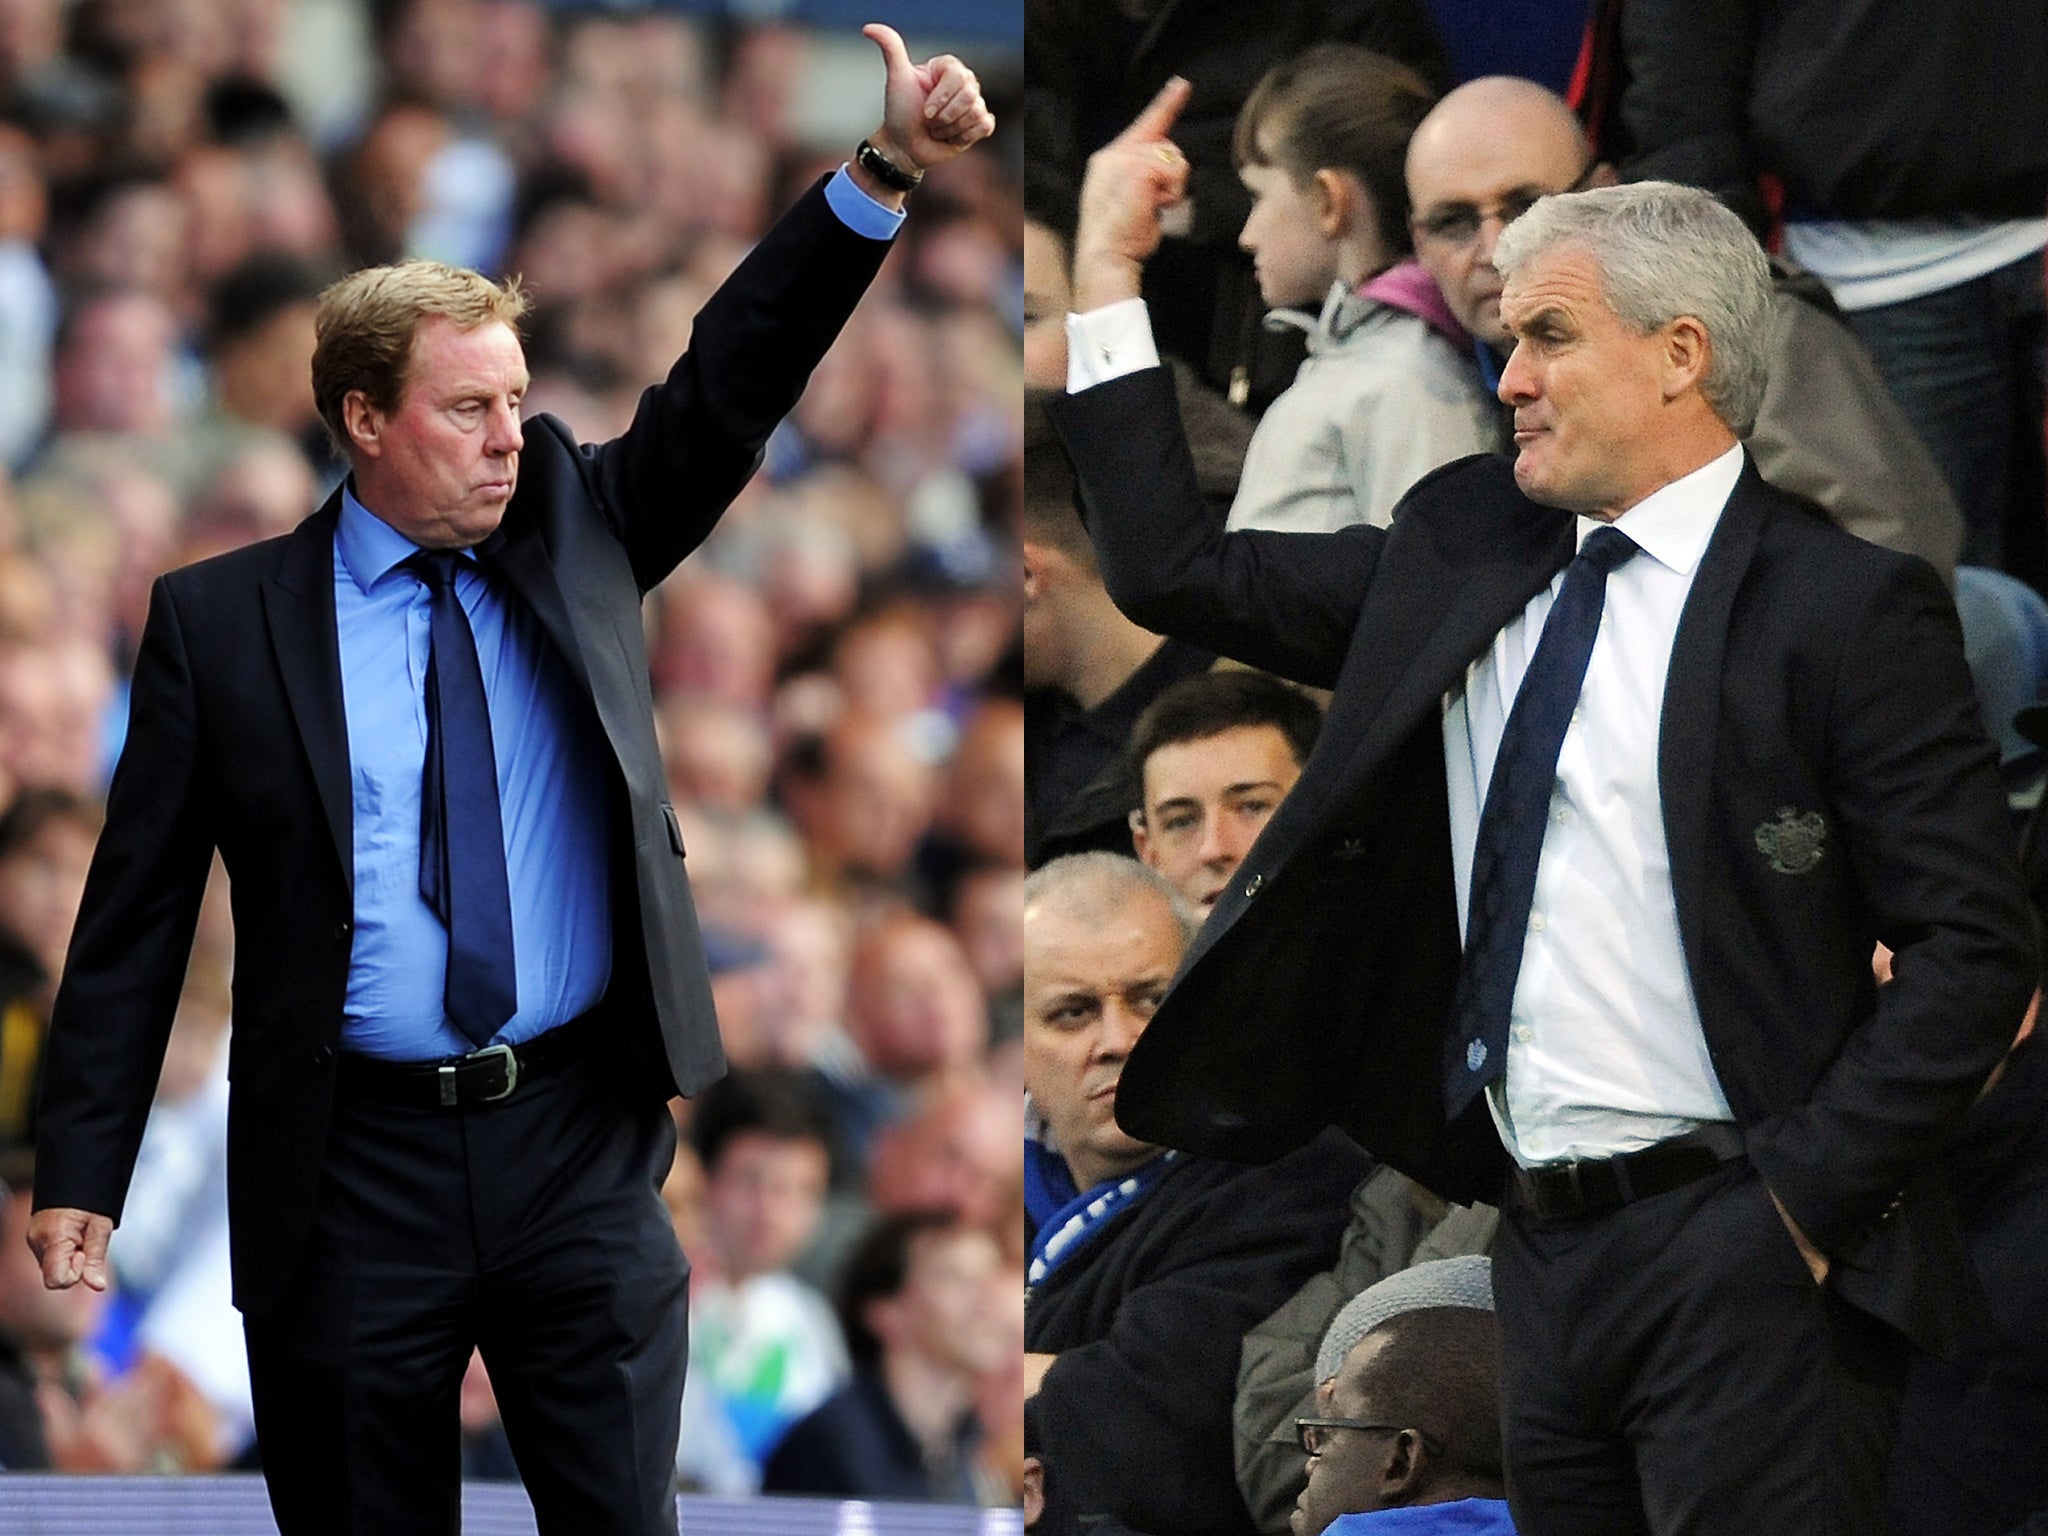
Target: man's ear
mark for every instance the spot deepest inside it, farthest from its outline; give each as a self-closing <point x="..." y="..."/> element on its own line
<point x="1406" y="1472"/>
<point x="364" y="423"/>
<point x="1602" y="175"/>
<point x="1687" y="351"/>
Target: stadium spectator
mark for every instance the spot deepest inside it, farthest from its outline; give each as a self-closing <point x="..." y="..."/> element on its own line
<point x="914" y="1007"/>
<point x="1213" y="757"/>
<point x="114" y="367"/>
<point x="716" y="753"/>
<point x="1090" y="670"/>
<point x="124" y="233"/>
<point x="1383" y="396"/>
<point x="1930" y="242"/>
<point x="1090" y="70"/>
<point x="979" y="818"/>
<point x="765" y="1348"/>
<point x="1395" y="1224"/>
<point x="46" y="841"/>
<point x="863" y="799"/>
<point x="714" y="637"/>
<point x="260" y="350"/>
<point x="28" y="298"/>
<point x="1146" y="1265"/>
<point x="1826" y="429"/>
<point x="1408" y="1411"/>
<point x="60" y="1410"/>
<point x="810" y="952"/>
<point x="919" y="1303"/>
<point x="987" y="918"/>
<point x="953" y="1150"/>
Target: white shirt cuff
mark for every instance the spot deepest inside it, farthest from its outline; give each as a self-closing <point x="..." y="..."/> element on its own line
<point x="1108" y="343"/>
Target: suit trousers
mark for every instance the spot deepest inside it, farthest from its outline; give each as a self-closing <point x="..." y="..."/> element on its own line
<point x="531" y="1228"/>
<point x="1672" y="1368"/>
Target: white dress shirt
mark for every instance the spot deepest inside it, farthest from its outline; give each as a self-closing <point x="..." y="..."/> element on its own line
<point x="1605" y="1049"/>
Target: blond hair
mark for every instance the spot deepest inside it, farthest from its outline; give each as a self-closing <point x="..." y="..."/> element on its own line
<point x="364" y="331"/>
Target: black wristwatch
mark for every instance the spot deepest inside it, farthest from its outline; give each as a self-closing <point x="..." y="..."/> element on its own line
<point x="885" y="170"/>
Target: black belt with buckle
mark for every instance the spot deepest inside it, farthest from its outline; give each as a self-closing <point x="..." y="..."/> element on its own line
<point x="481" y="1077"/>
<point x="1592" y="1186"/>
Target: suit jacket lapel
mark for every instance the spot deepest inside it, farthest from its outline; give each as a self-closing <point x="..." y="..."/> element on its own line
<point x="1692" y="710"/>
<point x="1444" y="609"/>
<point x="517" y="553"/>
<point x="298" y="604"/>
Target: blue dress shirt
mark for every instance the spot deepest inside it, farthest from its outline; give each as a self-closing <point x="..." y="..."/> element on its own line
<point x="551" y="785"/>
<point x="551" y="778"/>
<point x="859" y="212"/>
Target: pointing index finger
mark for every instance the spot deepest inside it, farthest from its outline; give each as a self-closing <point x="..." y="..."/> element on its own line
<point x="1160" y="113"/>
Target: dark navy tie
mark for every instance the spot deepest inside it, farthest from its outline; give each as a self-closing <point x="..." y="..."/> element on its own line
<point x="1510" y="840"/>
<point x="462" y="840"/>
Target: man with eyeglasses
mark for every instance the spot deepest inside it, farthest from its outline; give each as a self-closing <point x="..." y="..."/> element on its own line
<point x="1478" y="162"/>
<point x="1827" y="428"/>
<point x="1408" y="1399"/>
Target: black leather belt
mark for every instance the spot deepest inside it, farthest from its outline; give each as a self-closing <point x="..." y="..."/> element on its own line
<point x="482" y="1077"/>
<point x="1592" y="1186"/>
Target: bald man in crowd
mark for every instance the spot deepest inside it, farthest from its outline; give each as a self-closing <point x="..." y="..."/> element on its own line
<point x="1828" y="428"/>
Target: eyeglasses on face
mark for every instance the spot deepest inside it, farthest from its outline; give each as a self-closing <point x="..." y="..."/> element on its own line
<point x="1460" y="223"/>
<point x="1313" y="1435"/>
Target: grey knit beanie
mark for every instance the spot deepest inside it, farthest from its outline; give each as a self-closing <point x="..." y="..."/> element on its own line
<point x="1466" y="1281"/>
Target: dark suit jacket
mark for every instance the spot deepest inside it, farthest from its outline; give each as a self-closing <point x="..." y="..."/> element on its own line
<point x="1812" y="674"/>
<point x="237" y="741"/>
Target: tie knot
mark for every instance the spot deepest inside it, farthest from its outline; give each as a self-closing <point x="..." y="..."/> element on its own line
<point x="435" y="567"/>
<point x="1606" y="548"/>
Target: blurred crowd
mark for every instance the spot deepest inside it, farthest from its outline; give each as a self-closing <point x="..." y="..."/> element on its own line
<point x="836" y="673"/>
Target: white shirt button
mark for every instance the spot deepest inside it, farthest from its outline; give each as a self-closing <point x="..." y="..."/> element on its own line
<point x="1563" y="815"/>
<point x="1536" y="921"/>
<point x="1524" y="1033"/>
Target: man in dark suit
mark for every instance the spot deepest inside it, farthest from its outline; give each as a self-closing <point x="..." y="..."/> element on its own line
<point x="468" y="969"/>
<point x="1724" y="1216"/>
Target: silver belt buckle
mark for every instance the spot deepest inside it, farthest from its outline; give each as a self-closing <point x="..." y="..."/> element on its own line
<point x="511" y="1069"/>
<point x="447" y="1081"/>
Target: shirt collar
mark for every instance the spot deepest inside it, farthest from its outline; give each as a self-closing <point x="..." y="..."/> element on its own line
<point x="370" y="547"/>
<point x="1673" y="523"/>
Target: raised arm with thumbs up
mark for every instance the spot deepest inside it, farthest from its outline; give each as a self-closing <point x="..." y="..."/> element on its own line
<point x="930" y="113"/>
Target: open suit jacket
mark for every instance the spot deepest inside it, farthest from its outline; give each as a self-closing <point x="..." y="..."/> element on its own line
<point x="238" y="741"/>
<point x="1825" y="783"/>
